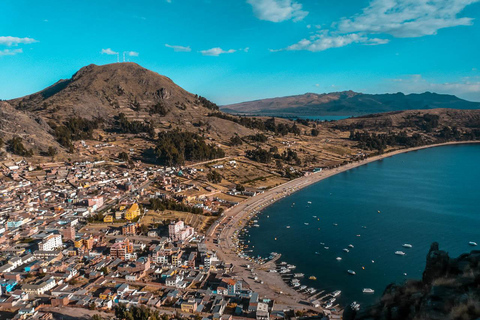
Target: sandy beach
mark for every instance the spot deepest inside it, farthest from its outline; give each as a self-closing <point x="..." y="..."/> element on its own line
<point x="235" y="219"/>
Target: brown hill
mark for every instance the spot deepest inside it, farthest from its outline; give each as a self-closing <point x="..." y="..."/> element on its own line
<point x="108" y="90"/>
<point x="347" y="103"/>
<point x="32" y="129"/>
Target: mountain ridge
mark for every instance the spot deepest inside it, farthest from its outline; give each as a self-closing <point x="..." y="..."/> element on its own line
<point x="347" y="103"/>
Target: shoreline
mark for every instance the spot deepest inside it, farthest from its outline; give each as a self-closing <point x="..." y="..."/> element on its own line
<point x="235" y="219"/>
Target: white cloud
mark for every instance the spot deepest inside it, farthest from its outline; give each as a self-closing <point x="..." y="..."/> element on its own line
<point x="179" y="48"/>
<point x="108" y="51"/>
<point x="325" y="41"/>
<point x="8" y="52"/>
<point x="278" y="10"/>
<point x="132" y="53"/>
<point x="215" y="52"/>
<point x="14" y="41"/>
<point x="407" y="18"/>
<point x="383" y="19"/>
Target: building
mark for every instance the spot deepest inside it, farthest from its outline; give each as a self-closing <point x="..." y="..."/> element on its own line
<point x="229" y="287"/>
<point x="120" y="249"/>
<point x="262" y="311"/>
<point x="69" y="233"/>
<point x="132" y="212"/>
<point x="50" y="242"/>
<point x="41" y="287"/>
<point x="129" y="229"/>
<point x="189" y="306"/>
<point x="177" y="231"/>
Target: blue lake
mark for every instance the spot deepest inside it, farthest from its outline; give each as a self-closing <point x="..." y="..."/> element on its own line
<point x="423" y="196"/>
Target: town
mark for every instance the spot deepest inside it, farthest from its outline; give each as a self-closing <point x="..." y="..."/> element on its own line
<point x="96" y="235"/>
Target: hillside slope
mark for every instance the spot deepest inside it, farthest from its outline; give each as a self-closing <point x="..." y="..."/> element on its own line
<point x="348" y="103"/>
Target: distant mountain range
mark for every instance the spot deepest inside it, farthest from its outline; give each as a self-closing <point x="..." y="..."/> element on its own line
<point x="347" y="103"/>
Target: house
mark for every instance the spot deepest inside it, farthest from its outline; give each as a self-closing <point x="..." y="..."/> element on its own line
<point x="189" y="306"/>
<point x="262" y="311"/>
<point x="132" y="212"/>
<point x="39" y="288"/>
<point x="108" y="219"/>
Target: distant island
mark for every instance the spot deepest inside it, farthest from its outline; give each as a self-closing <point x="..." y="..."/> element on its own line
<point x="347" y="103"/>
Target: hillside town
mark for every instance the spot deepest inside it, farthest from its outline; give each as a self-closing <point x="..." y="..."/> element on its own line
<point x="73" y="235"/>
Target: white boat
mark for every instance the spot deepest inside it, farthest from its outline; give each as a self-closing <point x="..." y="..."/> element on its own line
<point x="328" y="305"/>
<point x="288" y="227"/>
<point x="298" y="275"/>
<point x="400" y="253"/>
<point x="346" y="250"/>
<point x="368" y="290"/>
<point x="309" y="202"/>
<point x="303" y="287"/>
<point x="472" y="243"/>
<point x="339" y="258"/>
<point x="316" y="252"/>
<point x="256" y="225"/>
<point x="326" y="248"/>
<point x="350" y="245"/>
<point x="336" y="293"/>
<point x="306" y="223"/>
<point x="355" y="306"/>
<point x="407" y="245"/>
<point x="351" y="272"/>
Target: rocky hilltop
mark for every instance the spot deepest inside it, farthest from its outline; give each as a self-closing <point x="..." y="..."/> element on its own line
<point x="449" y="289"/>
<point x="347" y="103"/>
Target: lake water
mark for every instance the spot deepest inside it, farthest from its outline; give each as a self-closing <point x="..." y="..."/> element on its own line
<point x="423" y="196"/>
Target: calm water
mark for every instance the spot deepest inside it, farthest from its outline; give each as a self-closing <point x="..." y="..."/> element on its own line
<point x="423" y="196"/>
<point x="324" y="118"/>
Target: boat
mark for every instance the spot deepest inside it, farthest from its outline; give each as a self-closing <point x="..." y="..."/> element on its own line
<point x="346" y="250"/>
<point x="309" y="202"/>
<point x="350" y="245"/>
<point x="291" y="266"/>
<point x="298" y="275"/>
<point x="355" y="306"/>
<point x="368" y="290"/>
<point x="312" y="278"/>
<point x="303" y="287"/>
<point x="288" y="227"/>
<point x="316" y="252"/>
<point x="351" y="272"/>
<point x="400" y="253"/>
<point x="335" y="224"/>
<point x="336" y="293"/>
<point x="326" y="248"/>
<point x="328" y="305"/>
<point x="473" y="244"/>
<point x="407" y="245"/>
<point x="256" y="225"/>
<point x="306" y="223"/>
<point x="339" y="258"/>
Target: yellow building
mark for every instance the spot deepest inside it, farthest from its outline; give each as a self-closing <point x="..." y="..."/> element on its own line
<point x="108" y="218"/>
<point x="132" y="212"/>
<point x="78" y="243"/>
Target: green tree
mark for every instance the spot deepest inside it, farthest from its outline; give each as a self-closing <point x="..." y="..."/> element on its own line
<point x="52" y="151"/>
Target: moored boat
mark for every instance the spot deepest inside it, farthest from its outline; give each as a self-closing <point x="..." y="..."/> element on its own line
<point x="400" y="253"/>
<point x="368" y="290"/>
<point x="351" y="272"/>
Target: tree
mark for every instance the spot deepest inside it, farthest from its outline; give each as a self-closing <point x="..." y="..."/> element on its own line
<point x="97" y="317"/>
<point x="315" y="132"/>
<point x="52" y="151"/>
<point x="15" y="146"/>
<point x="124" y="156"/>
<point x="214" y="176"/>
<point x="239" y="187"/>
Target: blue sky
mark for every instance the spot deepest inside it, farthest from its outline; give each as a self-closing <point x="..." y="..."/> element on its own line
<point x="236" y="50"/>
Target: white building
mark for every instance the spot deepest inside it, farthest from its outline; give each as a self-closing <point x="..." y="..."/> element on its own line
<point x="50" y="242"/>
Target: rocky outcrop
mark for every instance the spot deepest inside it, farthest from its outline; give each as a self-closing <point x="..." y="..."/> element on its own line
<point x="449" y="289"/>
